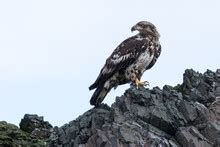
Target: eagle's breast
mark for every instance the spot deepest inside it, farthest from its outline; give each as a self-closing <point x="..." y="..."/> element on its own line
<point x="143" y="61"/>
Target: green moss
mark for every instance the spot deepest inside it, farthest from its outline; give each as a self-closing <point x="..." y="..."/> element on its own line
<point x="11" y="135"/>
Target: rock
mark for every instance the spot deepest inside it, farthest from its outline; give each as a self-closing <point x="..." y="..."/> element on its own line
<point x="97" y="127"/>
<point x="36" y="126"/>
<point x="198" y="87"/>
<point x="191" y="137"/>
<point x="215" y="111"/>
<point x="188" y="110"/>
<point x="12" y="136"/>
<point x="212" y="133"/>
<point x="186" y="115"/>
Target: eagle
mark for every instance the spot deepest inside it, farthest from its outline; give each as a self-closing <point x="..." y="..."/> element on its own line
<point x="128" y="61"/>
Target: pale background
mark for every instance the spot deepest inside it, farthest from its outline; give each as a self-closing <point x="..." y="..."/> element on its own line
<point x="51" y="51"/>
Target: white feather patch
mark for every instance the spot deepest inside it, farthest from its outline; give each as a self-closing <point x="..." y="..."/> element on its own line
<point x="120" y="59"/>
<point x="142" y="62"/>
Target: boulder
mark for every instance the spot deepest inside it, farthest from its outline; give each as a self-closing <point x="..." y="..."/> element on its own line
<point x="36" y="126"/>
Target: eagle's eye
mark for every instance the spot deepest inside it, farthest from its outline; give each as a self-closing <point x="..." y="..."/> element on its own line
<point x="142" y="25"/>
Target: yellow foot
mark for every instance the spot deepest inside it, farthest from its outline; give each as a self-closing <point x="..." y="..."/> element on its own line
<point x="138" y="83"/>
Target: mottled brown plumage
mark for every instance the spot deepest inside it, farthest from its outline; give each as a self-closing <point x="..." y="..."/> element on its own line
<point x="128" y="61"/>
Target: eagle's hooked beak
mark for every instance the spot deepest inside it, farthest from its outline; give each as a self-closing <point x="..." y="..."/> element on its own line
<point x="134" y="28"/>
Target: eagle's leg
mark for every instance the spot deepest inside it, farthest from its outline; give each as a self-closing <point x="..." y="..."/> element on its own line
<point x="141" y="83"/>
<point x="135" y="81"/>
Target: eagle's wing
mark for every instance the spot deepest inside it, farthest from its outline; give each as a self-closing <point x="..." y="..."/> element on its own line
<point x="124" y="55"/>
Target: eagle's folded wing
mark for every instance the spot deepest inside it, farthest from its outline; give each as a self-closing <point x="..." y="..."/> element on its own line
<point x="123" y="56"/>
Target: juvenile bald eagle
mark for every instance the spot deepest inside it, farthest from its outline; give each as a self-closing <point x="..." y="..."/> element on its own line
<point x="128" y="61"/>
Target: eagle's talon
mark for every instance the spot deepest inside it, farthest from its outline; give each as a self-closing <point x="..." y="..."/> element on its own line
<point x="146" y="83"/>
<point x="138" y="83"/>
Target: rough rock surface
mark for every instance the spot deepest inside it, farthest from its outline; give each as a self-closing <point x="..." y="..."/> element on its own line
<point x="186" y="115"/>
<point x="33" y="132"/>
<point x="12" y="136"/>
<point x="36" y="126"/>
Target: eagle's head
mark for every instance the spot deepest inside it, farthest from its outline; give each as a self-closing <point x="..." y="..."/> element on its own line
<point x="146" y="28"/>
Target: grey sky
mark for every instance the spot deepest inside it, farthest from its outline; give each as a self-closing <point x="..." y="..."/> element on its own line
<point x="51" y="51"/>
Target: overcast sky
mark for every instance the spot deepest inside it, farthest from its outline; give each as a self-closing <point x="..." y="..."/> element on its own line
<point x="51" y="51"/>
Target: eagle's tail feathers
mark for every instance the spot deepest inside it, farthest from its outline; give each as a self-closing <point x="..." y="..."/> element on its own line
<point x="93" y="86"/>
<point x="96" y="83"/>
<point x="99" y="95"/>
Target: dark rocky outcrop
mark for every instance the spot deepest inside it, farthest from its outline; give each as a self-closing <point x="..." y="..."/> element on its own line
<point x="36" y="126"/>
<point x="12" y="136"/>
<point x="186" y="115"/>
<point x="33" y="132"/>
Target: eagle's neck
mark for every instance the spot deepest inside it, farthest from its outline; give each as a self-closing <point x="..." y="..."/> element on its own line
<point x="148" y="36"/>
